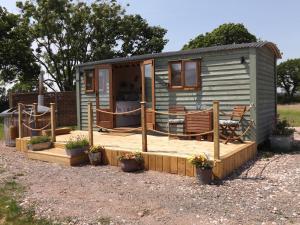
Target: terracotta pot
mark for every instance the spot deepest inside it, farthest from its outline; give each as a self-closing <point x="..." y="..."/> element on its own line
<point x="40" y="146"/>
<point x="204" y="176"/>
<point x="95" y="158"/>
<point x="131" y="165"/>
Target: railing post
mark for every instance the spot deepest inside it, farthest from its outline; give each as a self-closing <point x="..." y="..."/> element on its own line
<point x="35" y="110"/>
<point x="20" y="119"/>
<point x="90" y="123"/>
<point x="216" y="130"/>
<point x="53" y="125"/>
<point x="144" y="126"/>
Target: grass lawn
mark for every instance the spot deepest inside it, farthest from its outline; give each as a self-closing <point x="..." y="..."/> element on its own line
<point x="1" y="131"/>
<point x="290" y="113"/>
<point x="10" y="211"/>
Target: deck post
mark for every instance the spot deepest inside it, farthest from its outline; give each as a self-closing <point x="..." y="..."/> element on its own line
<point x="216" y="130"/>
<point x="144" y="126"/>
<point x="90" y="123"/>
<point x="35" y="111"/>
<point x="20" y="119"/>
<point x="52" y="121"/>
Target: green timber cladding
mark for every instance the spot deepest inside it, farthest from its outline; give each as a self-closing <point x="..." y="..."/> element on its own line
<point x="232" y="74"/>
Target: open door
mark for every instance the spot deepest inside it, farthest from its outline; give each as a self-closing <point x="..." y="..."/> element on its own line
<point x="147" y="68"/>
<point x="104" y="96"/>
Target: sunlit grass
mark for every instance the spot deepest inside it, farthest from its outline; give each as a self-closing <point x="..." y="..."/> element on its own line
<point x="291" y="113"/>
<point x="10" y="211"/>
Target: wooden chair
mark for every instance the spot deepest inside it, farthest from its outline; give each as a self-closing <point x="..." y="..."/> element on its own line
<point x="175" y="120"/>
<point x="229" y="127"/>
<point x="199" y="123"/>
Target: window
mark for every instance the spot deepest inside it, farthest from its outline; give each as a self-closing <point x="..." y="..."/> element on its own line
<point x="184" y="74"/>
<point x="89" y="81"/>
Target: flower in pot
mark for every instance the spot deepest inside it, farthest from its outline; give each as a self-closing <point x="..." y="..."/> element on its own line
<point x="95" y="154"/>
<point x="131" y="162"/>
<point x="77" y="145"/>
<point x="203" y="167"/>
<point x="282" y="137"/>
<point x="39" y="143"/>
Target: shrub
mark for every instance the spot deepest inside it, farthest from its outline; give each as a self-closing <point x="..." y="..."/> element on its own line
<point x="201" y="161"/>
<point x="39" y="139"/>
<point x="136" y="156"/>
<point x="95" y="149"/>
<point x="283" y="128"/>
<point x="77" y="142"/>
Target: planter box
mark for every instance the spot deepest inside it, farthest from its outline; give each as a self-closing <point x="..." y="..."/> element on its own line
<point x="281" y="142"/>
<point x="204" y="176"/>
<point x="95" y="158"/>
<point x="75" y="151"/>
<point x="131" y="165"/>
<point x="40" y="146"/>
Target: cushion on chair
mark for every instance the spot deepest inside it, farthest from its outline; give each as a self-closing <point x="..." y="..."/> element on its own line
<point x="229" y="122"/>
<point x="176" y="121"/>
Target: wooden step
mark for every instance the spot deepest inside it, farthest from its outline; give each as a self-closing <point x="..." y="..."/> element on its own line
<point x="59" y="145"/>
<point x="58" y="131"/>
<point x="57" y="155"/>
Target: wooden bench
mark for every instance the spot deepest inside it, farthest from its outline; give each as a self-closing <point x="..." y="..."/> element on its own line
<point x="200" y="123"/>
<point x="175" y="120"/>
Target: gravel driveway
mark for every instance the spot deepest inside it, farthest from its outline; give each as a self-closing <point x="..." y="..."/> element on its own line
<point x="264" y="192"/>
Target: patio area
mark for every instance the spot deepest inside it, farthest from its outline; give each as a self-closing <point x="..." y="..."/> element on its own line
<point x="160" y="145"/>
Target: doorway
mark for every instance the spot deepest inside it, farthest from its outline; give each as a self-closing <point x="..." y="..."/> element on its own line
<point x="120" y="88"/>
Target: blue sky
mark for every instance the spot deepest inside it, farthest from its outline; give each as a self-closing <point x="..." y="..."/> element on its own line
<point x="276" y="21"/>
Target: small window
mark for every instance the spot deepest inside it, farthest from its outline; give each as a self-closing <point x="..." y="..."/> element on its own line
<point x="89" y="81"/>
<point x="176" y="78"/>
<point x="191" y="73"/>
<point x="184" y="74"/>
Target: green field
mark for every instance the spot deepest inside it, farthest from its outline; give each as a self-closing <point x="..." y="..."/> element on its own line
<point x="290" y="113"/>
<point x="1" y="131"/>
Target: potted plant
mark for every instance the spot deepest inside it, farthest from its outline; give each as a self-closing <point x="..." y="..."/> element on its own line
<point x="76" y="145"/>
<point x="95" y="154"/>
<point x="39" y="143"/>
<point x="203" y="167"/>
<point x="131" y="162"/>
<point x="282" y="137"/>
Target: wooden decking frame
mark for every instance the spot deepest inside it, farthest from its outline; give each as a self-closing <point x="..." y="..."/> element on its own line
<point x="156" y="161"/>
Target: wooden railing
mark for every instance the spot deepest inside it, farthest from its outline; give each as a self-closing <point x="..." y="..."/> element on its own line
<point x="144" y="129"/>
<point x="35" y="115"/>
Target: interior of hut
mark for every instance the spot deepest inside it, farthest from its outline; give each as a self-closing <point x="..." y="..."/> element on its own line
<point x="127" y="91"/>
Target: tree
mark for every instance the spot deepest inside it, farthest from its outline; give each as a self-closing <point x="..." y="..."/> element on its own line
<point x="288" y="76"/>
<point x="227" y="33"/>
<point x="68" y="33"/>
<point x="16" y="58"/>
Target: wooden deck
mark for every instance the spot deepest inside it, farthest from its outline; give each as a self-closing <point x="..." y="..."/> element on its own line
<point x="164" y="154"/>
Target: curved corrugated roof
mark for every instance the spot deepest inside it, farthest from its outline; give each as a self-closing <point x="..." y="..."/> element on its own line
<point x="260" y="44"/>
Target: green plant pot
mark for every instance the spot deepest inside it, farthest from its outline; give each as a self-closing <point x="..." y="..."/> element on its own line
<point x="131" y="165"/>
<point x="281" y="142"/>
<point x="204" y="176"/>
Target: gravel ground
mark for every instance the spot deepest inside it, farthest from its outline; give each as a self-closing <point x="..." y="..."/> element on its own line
<point x="266" y="191"/>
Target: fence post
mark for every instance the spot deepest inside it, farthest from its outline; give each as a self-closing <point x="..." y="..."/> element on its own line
<point x="216" y="130"/>
<point x="144" y="126"/>
<point x="90" y="123"/>
<point x="20" y="119"/>
<point x="53" y="125"/>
